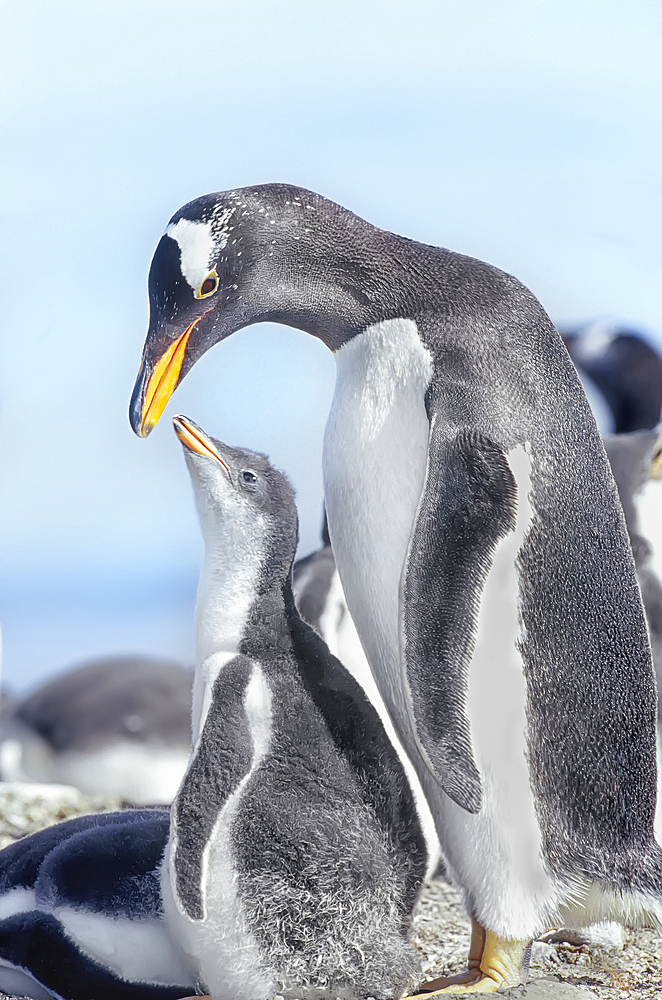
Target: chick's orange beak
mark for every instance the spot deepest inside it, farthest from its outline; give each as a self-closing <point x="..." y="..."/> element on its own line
<point x="193" y="438"/>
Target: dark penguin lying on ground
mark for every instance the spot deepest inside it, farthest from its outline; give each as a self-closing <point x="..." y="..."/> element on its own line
<point x="296" y="854"/>
<point x="119" y="727"/>
<point x="625" y="369"/>
<point x="462" y="466"/>
<point x="81" y="914"/>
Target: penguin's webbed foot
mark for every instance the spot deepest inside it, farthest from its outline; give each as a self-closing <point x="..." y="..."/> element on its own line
<point x="467" y="982"/>
<point x="493" y="963"/>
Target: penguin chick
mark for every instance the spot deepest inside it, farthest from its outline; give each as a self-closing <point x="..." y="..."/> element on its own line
<point x="296" y="855"/>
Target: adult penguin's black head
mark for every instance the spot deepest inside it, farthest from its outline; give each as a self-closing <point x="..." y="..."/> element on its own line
<point x="194" y="296"/>
<point x="272" y="252"/>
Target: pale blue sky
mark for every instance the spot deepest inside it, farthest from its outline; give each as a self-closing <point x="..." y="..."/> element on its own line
<point x="525" y="133"/>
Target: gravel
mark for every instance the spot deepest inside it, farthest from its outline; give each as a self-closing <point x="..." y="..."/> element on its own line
<point x="26" y="808"/>
<point x="602" y="961"/>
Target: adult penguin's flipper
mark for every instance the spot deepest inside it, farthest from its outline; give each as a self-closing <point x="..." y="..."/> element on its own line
<point x="468" y="505"/>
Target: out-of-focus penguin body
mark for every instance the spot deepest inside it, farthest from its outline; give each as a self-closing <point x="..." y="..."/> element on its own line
<point x="118" y="727"/>
<point x="81" y="914"/>
<point x="636" y="461"/>
<point x="624" y="368"/>
<point x="321" y="602"/>
<point x="320" y="599"/>
<point x="296" y="854"/>
<point x="478" y="534"/>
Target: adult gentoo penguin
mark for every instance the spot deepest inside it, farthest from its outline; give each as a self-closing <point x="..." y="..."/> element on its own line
<point x="479" y="539"/>
<point x="296" y="854"/>
<point x="81" y="913"/>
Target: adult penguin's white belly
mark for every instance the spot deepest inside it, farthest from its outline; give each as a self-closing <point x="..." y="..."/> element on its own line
<point x="375" y="459"/>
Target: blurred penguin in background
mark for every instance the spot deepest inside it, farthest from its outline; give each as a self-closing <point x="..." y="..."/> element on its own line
<point x="625" y="370"/>
<point x="117" y="727"/>
<point x="321" y="602"/>
<point x="636" y="461"/>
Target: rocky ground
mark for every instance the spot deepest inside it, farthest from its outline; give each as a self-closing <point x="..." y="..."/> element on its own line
<point x="27" y="808"/>
<point x="607" y="965"/>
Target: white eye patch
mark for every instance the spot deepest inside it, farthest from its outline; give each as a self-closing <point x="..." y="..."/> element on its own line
<point x="196" y="246"/>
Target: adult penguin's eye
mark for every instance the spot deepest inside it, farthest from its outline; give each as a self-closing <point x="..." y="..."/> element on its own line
<point x="208" y="286"/>
<point x="248" y="476"/>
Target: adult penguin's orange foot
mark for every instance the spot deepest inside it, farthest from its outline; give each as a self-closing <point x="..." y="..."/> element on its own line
<point x="493" y="964"/>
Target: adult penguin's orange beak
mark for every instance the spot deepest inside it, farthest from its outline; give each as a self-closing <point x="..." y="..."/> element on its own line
<point x="156" y="383"/>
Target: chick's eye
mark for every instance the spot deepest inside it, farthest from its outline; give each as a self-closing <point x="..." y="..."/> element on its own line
<point x="209" y="285"/>
<point x="248" y="476"/>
